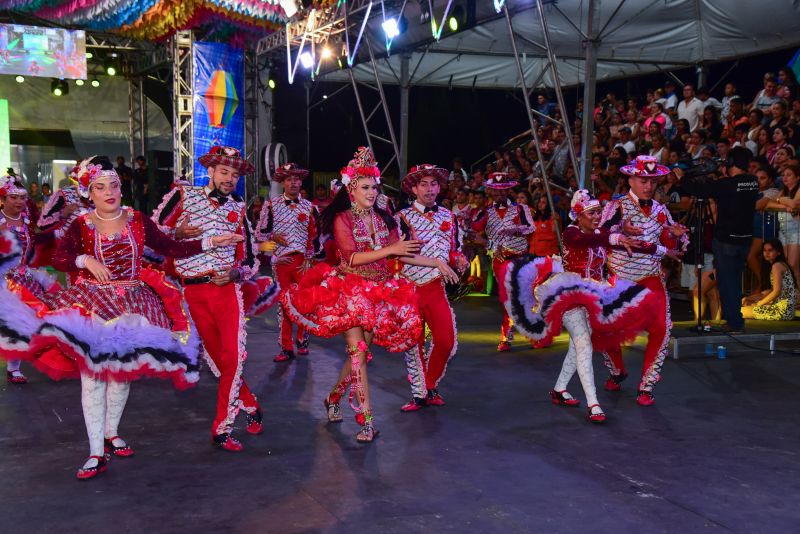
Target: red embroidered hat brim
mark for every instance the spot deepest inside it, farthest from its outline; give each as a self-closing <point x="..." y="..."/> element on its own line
<point x="281" y="174"/>
<point x="631" y="170"/>
<point x="212" y="160"/>
<point x="413" y="178"/>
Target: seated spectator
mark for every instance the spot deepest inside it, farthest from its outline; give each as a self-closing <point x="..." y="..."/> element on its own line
<point x="788" y="206"/>
<point x="707" y="99"/>
<point x="766" y="96"/>
<point x="696" y="144"/>
<point x="710" y="123"/>
<point x="740" y="136"/>
<point x="765" y="223"/>
<point x="458" y="170"/>
<point x="321" y="197"/>
<point x="787" y="84"/>
<point x="625" y="141"/>
<point x="764" y="142"/>
<point x="779" y="112"/>
<point x="659" y="150"/>
<point x="543" y="240"/>
<point x="778" y="302"/>
<point x="730" y="94"/>
<point x="779" y="140"/>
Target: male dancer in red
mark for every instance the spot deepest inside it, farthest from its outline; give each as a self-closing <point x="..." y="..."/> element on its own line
<point x="211" y="282"/>
<point x="507" y="226"/>
<point x="655" y="224"/>
<point x="436" y="228"/>
<point x="291" y="222"/>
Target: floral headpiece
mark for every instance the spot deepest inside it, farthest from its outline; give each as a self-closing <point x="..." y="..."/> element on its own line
<point x="363" y="165"/>
<point x="10" y="186"/>
<point x="582" y="202"/>
<point x="86" y="173"/>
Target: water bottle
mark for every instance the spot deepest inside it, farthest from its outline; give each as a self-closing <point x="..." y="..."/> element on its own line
<point x="722" y="352"/>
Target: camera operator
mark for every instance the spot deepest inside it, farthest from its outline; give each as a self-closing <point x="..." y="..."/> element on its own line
<point x="735" y="192"/>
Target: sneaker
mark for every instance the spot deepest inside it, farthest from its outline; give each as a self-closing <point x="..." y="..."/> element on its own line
<point x="504" y="346"/>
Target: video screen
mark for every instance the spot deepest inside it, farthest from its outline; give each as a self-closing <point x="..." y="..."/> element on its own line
<point x="46" y="52"/>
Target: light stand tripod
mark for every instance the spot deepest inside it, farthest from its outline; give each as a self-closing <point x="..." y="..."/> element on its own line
<point x="701" y="213"/>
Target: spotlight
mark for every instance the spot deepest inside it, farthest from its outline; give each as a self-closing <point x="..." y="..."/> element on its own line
<point x="390" y="28"/>
<point x="59" y="87"/>
<point x="95" y="83"/>
<point x="456" y="19"/>
<point x="307" y="60"/>
<point x="271" y="84"/>
<point x="111" y="68"/>
<point x="79" y="83"/>
<point x="89" y="55"/>
<point x="424" y="12"/>
<point x="20" y="79"/>
<point x="327" y="53"/>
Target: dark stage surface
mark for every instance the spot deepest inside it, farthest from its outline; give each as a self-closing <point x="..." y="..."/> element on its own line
<point x="719" y="450"/>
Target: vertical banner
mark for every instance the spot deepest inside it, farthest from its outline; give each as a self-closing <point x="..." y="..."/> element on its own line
<point x="5" y="137"/>
<point x="218" y="102"/>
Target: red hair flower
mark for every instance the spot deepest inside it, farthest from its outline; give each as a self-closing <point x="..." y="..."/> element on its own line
<point x="302" y="217"/>
<point x="445" y="226"/>
<point x="517" y="220"/>
<point x="233" y="216"/>
<point x="662" y="218"/>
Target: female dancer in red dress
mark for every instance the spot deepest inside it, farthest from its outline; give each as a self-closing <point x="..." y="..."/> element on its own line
<point x="116" y="323"/>
<point x="596" y="310"/>
<point x="14" y="218"/>
<point x="362" y="297"/>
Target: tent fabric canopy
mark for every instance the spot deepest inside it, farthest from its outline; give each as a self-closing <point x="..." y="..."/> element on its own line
<point x="637" y="37"/>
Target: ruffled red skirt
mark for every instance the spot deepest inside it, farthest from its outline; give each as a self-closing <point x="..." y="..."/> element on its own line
<point x="119" y="331"/>
<point x="328" y="302"/>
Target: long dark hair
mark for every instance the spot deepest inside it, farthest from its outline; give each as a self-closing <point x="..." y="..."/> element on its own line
<point x="793" y="192"/>
<point x="341" y="202"/>
<point x="778" y="246"/>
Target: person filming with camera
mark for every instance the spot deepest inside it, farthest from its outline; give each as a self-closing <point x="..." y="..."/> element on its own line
<point x="736" y="193"/>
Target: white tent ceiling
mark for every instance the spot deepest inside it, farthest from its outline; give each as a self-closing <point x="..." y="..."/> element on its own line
<point x="637" y="37"/>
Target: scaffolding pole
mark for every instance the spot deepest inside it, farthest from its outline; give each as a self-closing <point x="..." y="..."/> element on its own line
<point x="551" y="57"/>
<point x="589" y="87"/>
<point x="137" y="118"/>
<point x="532" y="122"/>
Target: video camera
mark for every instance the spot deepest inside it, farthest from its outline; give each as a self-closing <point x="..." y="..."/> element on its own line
<point x="697" y="173"/>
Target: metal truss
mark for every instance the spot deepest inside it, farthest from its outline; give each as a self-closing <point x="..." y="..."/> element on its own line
<point x="251" y="136"/>
<point x="137" y="118"/>
<point x="371" y="125"/>
<point x="183" y="100"/>
<point x="327" y="22"/>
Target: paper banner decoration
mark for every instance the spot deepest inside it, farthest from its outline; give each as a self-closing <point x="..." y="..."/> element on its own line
<point x="221" y="99"/>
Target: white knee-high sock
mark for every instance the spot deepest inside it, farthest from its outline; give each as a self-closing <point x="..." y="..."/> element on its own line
<point x="567" y="368"/>
<point x="580" y="334"/>
<point x="13" y="365"/>
<point x="116" y="399"/>
<point x="93" y="400"/>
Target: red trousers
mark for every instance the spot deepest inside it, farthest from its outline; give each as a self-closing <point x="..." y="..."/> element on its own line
<point x="218" y="315"/>
<point x="500" y="269"/>
<point x="426" y="372"/>
<point x="288" y="274"/>
<point x="657" y="339"/>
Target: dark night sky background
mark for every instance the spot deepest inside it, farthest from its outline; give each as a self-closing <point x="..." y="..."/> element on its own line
<point x="460" y="122"/>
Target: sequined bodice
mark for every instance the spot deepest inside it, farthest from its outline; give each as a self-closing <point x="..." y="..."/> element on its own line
<point x="119" y="253"/>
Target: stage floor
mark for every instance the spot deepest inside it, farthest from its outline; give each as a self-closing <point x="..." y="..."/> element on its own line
<point x="719" y="449"/>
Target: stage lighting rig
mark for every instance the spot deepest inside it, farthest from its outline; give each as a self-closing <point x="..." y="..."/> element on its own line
<point x="307" y="60"/>
<point x="79" y="82"/>
<point x="95" y="83"/>
<point x="20" y="79"/>
<point x="59" y="87"/>
<point x="458" y="19"/>
<point x="391" y="28"/>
